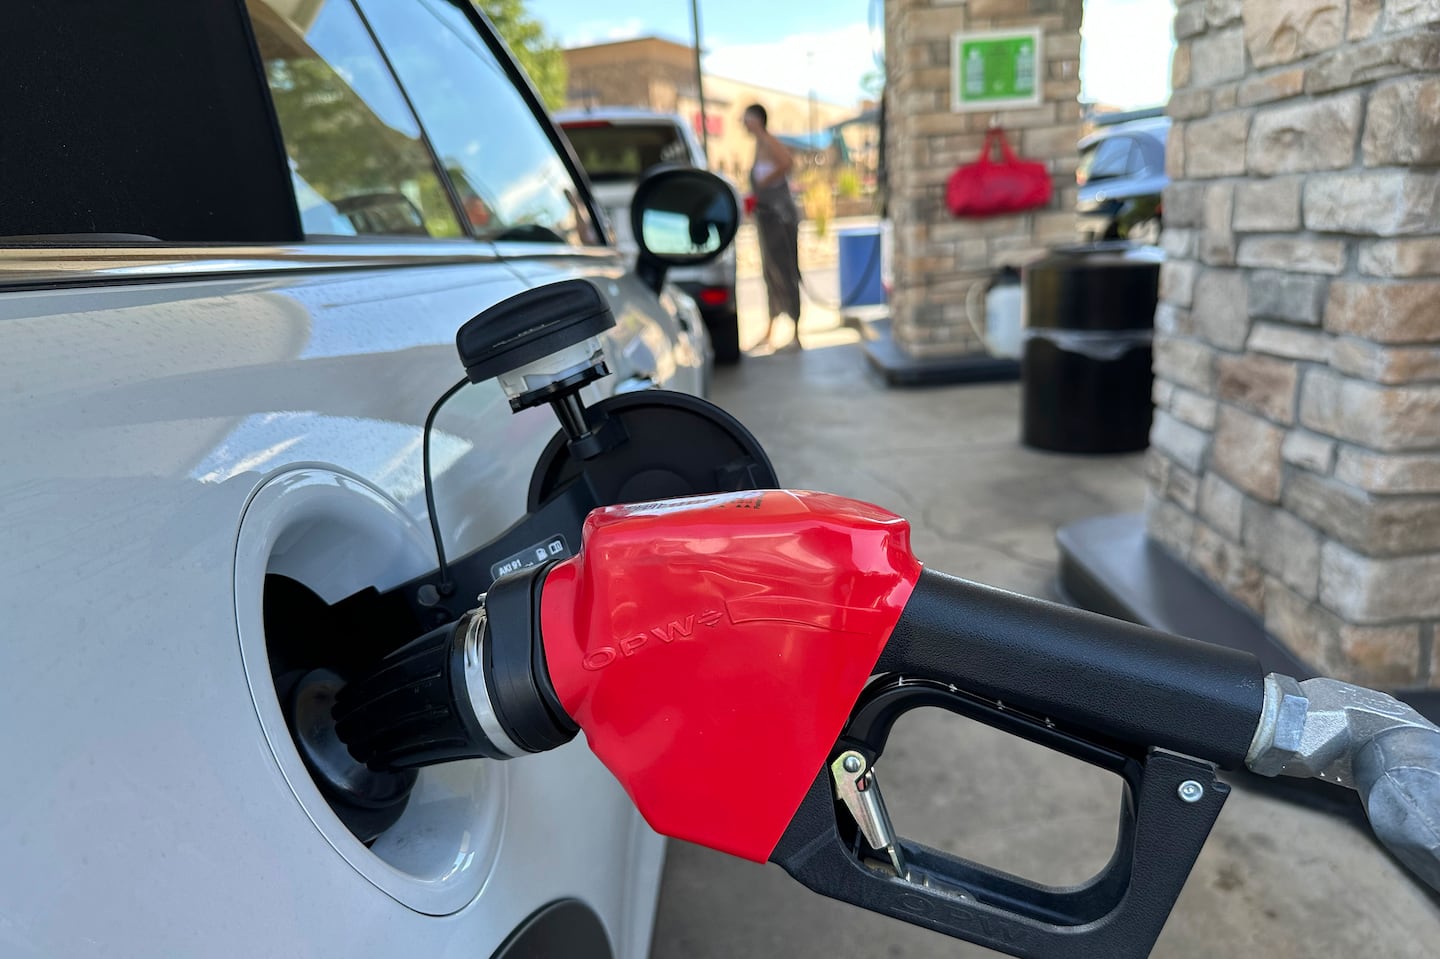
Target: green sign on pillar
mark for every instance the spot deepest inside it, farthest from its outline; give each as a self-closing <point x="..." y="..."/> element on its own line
<point x="996" y="70"/>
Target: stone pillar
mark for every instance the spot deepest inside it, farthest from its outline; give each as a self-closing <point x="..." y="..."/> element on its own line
<point x="936" y="257"/>
<point x="1295" y="455"/>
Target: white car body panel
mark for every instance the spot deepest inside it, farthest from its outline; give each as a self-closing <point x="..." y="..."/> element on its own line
<point x="144" y="812"/>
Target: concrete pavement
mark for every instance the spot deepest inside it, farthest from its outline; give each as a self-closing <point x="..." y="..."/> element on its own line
<point x="1274" y="881"/>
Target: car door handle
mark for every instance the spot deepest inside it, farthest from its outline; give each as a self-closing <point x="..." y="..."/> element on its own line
<point x="637" y="383"/>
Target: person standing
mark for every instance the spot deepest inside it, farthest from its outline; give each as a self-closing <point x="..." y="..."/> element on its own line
<point x="777" y="222"/>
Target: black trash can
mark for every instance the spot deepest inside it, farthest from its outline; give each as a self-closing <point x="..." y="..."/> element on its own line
<point x="1089" y="320"/>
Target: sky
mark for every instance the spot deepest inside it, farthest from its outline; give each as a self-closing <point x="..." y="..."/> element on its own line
<point x="828" y="45"/>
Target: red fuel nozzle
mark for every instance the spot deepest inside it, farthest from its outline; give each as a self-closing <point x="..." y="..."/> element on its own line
<point x="693" y="640"/>
<point x="730" y="636"/>
<point x="706" y="641"/>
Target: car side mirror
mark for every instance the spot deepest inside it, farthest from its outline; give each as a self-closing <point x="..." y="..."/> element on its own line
<point x="681" y="216"/>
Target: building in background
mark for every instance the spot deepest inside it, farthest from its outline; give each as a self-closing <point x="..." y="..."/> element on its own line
<point x="658" y="74"/>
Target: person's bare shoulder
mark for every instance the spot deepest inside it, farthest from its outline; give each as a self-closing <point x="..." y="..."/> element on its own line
<point x="779" y="152"/>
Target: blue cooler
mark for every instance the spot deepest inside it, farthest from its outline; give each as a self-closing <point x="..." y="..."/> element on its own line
<point x="861" y="273"/>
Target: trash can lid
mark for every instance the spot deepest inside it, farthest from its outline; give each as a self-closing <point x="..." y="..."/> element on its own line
<point x="1106" y="254"/>
<point x="1101" y="286"/>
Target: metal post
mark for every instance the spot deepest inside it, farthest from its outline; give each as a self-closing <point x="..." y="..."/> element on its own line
<point x="700" y="81"/>
<point x="810" y="59"/>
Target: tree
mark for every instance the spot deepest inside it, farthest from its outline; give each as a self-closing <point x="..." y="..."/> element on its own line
<point x="538" y="54"/>
<point x="872" y="83"/>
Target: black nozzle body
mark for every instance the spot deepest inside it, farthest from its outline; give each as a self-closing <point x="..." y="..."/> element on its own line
<point x="474" y="688"/>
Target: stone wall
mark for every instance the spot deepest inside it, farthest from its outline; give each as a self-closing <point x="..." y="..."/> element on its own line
<point x="1296" y="444"/>
<point x="936" y="257"/>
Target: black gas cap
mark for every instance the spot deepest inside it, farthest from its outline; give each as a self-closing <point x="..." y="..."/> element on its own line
<point x="531" y="326"/>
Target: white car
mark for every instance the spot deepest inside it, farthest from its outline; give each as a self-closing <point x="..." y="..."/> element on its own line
<point x="237" y="241"/>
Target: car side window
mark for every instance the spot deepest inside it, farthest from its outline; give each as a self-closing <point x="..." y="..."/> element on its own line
<point x="511" y="182"/>
<point x="1136" y="165"/>
<point x="1108" y="159"/>
<point x="623" y="151"/>
<point x="358" y="162"/>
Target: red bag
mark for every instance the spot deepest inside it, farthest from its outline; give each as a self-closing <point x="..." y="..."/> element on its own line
<point x="988" y="188"/>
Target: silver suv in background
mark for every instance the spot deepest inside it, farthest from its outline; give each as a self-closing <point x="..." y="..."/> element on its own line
<point x="1121" y="177"/>
<point x="615" y="146"/>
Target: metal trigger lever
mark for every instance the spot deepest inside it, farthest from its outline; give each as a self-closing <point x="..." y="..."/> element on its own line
<point x="1170" y="804"/>
<point x="857" y="787"/>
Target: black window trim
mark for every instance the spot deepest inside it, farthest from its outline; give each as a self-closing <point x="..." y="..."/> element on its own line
<point x="277" y="136"/>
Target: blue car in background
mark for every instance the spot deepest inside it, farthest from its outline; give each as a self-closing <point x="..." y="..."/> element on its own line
<point x="1121" y="176"/>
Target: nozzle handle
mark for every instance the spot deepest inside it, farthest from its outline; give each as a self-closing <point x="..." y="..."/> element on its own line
<point x="1089" y="673"/>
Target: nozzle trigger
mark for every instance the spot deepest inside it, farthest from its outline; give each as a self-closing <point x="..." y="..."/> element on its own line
<point x="857" y="787"/>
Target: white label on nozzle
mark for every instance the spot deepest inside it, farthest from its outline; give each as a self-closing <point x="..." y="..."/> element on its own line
<point x="543" y="552"/>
